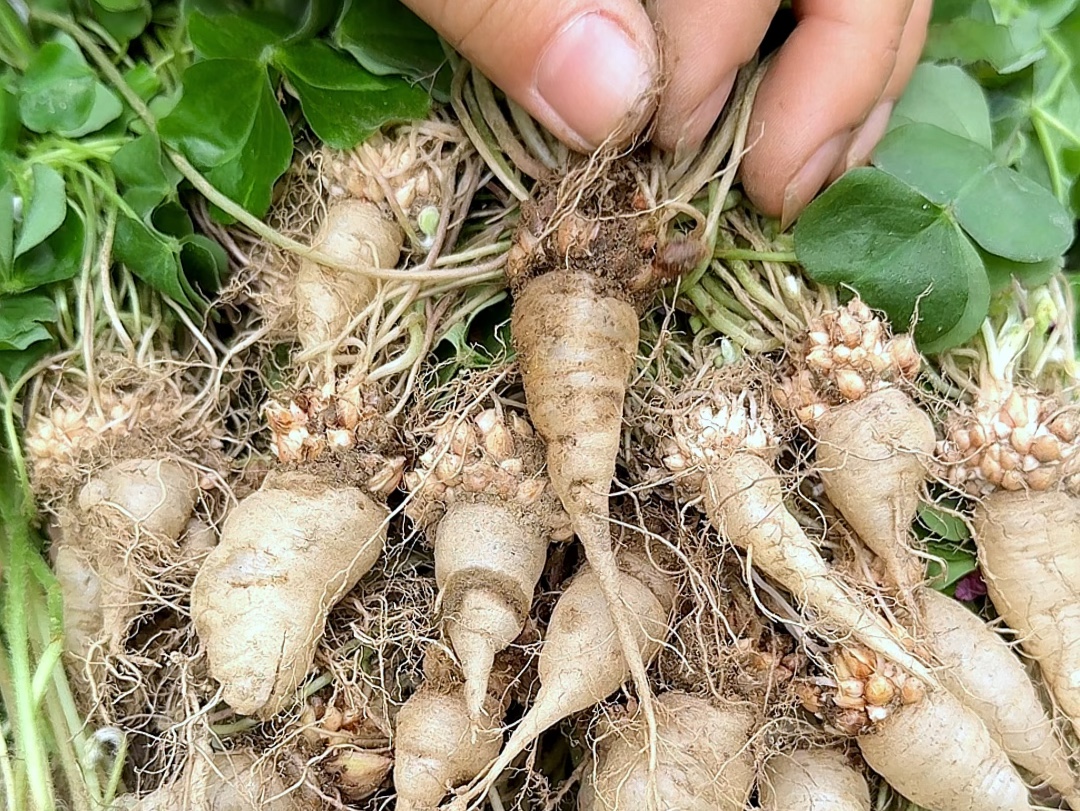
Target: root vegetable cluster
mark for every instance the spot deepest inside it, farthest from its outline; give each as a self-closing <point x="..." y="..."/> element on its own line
<point x="601" y="558"/>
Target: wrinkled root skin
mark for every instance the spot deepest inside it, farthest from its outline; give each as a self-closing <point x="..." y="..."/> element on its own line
<point x="812" y="780"/>
<point x="939" y="755"/>
<point x="743" y="500"/>
<point x="705" y="760"/>
<point x="872" y="458"/>
<point x="1029" y="551"/>
<point x="288" y="553"/>
<point x="981" y="670"/>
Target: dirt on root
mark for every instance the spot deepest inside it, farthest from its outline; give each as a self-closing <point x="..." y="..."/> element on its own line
<point x="594" y="221"/>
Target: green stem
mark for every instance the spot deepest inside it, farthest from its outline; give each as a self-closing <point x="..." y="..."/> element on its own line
<point x="116" y="773"/>
<point x="14" y="38"/>
<point x="223" y="202"/>
<point x="67" y="728"/>
<point x="762" y="295"/>
<point x="7" y="771"/>
<point x="24" y="716"/>
<point x="101" y="149"/>
<point x="749" y="255"/>
<point x="722" y="296"/>
<point x="722" y="321"/>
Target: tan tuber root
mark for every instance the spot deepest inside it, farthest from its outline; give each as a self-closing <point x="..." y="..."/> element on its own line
<point x="873" y="442"/>
<point x="581" y="265"/>
<point x="576" y="347"/>
<point x="440" y="745"/>
<point x="288" y="553"/>
<point x="940" y="756"/>
<point x="225" y="781"/>
<point x="493" y="513"/>
<point x="582" y="661"/>
<point x="705" y="760"/>
<point x="812" y="780"/>
<point x="354" y="232"/>
<point x="722" y="448"/>
<point x="979" y="668"/>
<point x="1029" y="551"/>
<point x="126" y="519"/>
<point x="872" y="457"/>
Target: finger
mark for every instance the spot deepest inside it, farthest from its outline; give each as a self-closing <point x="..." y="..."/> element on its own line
<point x="823" y="83"/>
<point x="911" y="45"/>
<point x="703" y="43"/>
<point x="585" y="69"/>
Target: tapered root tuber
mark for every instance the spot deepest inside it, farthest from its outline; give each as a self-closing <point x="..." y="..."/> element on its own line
<point x="872" y="457"/>
<point x="812" y="780"/>
<point x="1029" y="549"/>
<point x="705" y="760"/>
<point x="576" y="347"/>
<point x="582" y="660"/>
<point x="439" y="744"/>
<point x="490" y="512"/>
<point x="326" y="299"/>
<point x="940" y="756"/>
<point x="979" y="668"/>
<point x="288" y="553"/>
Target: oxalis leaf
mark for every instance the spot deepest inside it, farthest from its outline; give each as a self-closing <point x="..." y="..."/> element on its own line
<point x="46" y="211"/>
<point x="1014" y="217"/>
<point x="386" y="37"/>
<point x="958" y="563"/>
<point x="229" y="124"/>
<point x="214" y="117"/>
<point x="55" y="259"/>
<point x="943" y="524"/>
<point x="57" y="91"/>
<point x="148" y="177"/>
<point x="936" y="163"/>
<point x="1030" y="274"/>
<point x="1008" y="48"/>
<point x="235" y="36"/>
<point x="343" y="103"/>
<point x="902" y="253"/>
<point x="153" y="257"/>
<point x="947" y="97"/>
<point x="1005" y="212"/>
<point x="22" y="320"/>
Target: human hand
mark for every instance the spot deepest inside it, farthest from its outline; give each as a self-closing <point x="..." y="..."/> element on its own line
<point x="589" y="70"/>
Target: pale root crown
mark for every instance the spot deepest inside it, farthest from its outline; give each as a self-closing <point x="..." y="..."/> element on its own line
<point x="319" y="424"/>
<point x="492" y="454"/>
<point x="845" y="355"/>
<point x="404" y="163"/>
<point x="863" y="690"/>
<point x="1013" y="439"/>
<point x="715" y="428"/>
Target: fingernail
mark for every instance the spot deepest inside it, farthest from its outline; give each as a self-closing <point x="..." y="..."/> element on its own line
<point x="704" y="116"/>
<point x="595" y="78"/>
<point x="809" y="180"/>
<point x="868" y="135"/>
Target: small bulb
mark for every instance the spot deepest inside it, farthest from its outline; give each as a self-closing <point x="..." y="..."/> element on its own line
<point x="428" y="220"/>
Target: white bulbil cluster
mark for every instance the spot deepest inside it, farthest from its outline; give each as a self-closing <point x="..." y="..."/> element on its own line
<point x="491" y="453"/>
<point x="314" y="424"/>
<point x="845" y="355"/>
<point x="403" y="163"/>
<point x="62" y="434"/>
<point x="864" y="690"/>
<point x="713" y="429"/>
<point x="1015" y="440"/>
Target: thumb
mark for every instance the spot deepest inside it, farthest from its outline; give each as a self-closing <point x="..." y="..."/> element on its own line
<point x="585" y="69"/>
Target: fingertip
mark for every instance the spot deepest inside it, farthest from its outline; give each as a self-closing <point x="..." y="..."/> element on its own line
<point x="868" y="135"/>
<point x="673" y="135"/>
<point x="810" y="179"/>
<point x="594" y="81"/>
